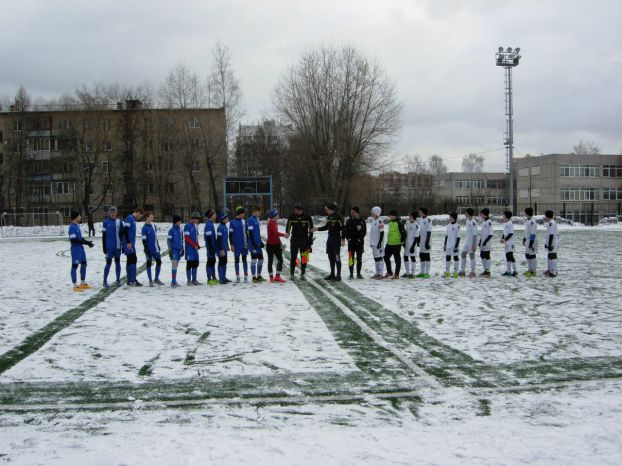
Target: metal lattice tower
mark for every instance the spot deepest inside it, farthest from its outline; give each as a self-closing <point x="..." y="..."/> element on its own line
<point x="508" y="59"/>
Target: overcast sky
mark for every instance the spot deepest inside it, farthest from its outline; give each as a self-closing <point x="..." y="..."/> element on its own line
<point x="440" y="54"/>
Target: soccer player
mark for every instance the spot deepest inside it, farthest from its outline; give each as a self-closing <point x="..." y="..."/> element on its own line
<point x="191" y="244"/>
<point x="452" y="243"/>
<point x="484" y="242"/>
<point x="396" y="237"/>
<point x="253" y="231"/>
<point x="209" y="235"/>
<point x="410" y="248"/>
<point x="376" y="241"/>
<point x="551" y="244"/>
<point x="129" y="245"/>
<point x="175" y="248"/>
<point x="470" y="244"/>
<point x="335" y="241"/>
<point x="239" y="242"/>
<point x="508" y="239"/>
<point x="356" y="229"/>
<point x="222" y="247"/>
<point x="530" y="241"/>
<point x="152" y="248"/>
<point x="78" y="256"/>
<point x="300" y="230"/>
<point x="425" y="238"/>
<point x="112" y="232"/>
<point x="274" y="247"/>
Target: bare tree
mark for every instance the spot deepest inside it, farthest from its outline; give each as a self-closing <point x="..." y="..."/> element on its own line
<point x="586" y="148"/>
<point x="473" y="163"/>
<point x="436" y="166"/>
<point x="415" y="164"/>
<point x="344" y="111"/>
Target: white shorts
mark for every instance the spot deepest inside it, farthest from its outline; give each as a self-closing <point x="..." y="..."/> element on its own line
<point x="377" y="252"/>
<point x="509" y="247"/>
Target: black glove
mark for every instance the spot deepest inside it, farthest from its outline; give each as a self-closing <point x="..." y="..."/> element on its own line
<point x="412" y="249"/>
<point x="524" y="241"/>
<point x="379" y="246"/>
<point x="427" y="245"/>
<point x="183" y="252"/>
<point x="455" y="250"/>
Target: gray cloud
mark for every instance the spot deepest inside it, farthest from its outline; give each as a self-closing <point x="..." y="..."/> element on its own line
<point x="440" y="54"/>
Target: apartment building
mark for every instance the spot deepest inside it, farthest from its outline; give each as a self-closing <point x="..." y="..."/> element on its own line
<point x="477" y="190"/>
<point x="167" y="160"/>
<point x="582" y="188"/>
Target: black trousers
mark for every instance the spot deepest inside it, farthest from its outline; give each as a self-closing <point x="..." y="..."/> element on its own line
<point x="297" y="246"/>
<point x="355" y="248"/>
<point x="395" y="251"/>
<point x="275" y="250"/>
<point x="333" y="250"/>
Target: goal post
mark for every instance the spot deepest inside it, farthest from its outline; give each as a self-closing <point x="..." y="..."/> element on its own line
<point x="31" y="224"/>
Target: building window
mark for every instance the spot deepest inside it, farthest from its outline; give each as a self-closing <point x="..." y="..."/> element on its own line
<point x="65" y="210"/>
<point x="578" y="170"/>
<point x="17" y="125"/>
<point x="107" y="146"/>
<point x="106" y="124"/>
<point x="88" y="146"/>
<point x="579" y="194"/>
<point x="471" y="184"/>
<point x="63" y="124"/>
<point x="495" y="184"/>
<point x="39" y="144"/>
<point x="170" y="187"/>
<point x="195" y="144"/>
<point x="106" y="167"/>
<point x="194" y="123"/>
<point x="612" y="171"/>
<point x="523" y="172"/>
<point x="196" y="166"/>
<point x="63" y="187"/>
<point x="149" y="144"/>
<point x="1" y="136"/>
<point x="149" y="166"/>
<point x="612" y="194"/>
<point x="148" y="124"/>
<point x="150" y="188"/>
<point x="166" y="146"/>
<point x="497" y="200"/>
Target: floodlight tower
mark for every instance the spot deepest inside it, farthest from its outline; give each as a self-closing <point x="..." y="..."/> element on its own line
<point x="508" y="59"/>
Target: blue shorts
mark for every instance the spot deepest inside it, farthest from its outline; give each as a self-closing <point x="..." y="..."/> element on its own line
<point x="116" y="254"/>
<point x="153" y="256"/>
<point x="175" y="255"/>
<point x="240" y="252"/>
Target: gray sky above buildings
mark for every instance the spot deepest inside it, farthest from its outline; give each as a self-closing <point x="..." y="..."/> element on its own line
<point x="440" y="53"/>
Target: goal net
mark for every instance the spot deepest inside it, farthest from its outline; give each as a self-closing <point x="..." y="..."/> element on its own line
<point x="28" y="224"/>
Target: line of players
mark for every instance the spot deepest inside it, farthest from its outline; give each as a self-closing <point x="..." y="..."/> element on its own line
<point x="242" y="237"/>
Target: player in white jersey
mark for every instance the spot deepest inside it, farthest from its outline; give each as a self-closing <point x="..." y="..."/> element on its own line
<point x="452" y="242"/>
<point x="485" y="241"/>
<point x="376" y="241"/>
<point x="530" y="241"/>
<point x="509" y="241"/>
<point x="425" y="236"/>
<point x="551" y="243"/>
<point x="410" y="247"/>
<point x="470" y="243"/>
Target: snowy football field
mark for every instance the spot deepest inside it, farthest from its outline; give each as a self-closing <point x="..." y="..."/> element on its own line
<point x="439" y="371"/>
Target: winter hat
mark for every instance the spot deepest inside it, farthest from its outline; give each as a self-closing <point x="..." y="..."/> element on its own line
<point x="549" y="214"/>
<point x="196" y="215"/>
<point x="176" y="218"/>
<point x="356" y="209"/>
<point x="485" y="211"/>
<point x="507" y="214"/>
<point x="209" y="213"/>
<point x="392" y="213"/>
<point x="222" y="216"/>
<point x="298" y="205"/>
<point x="376" y="211"/>
<point x="273" y="213"/>
<point x="332" y="206"/>
<point x="239" y="210"/>
<point x="423" y="210"/>
<point x="74" y="214"/>
<point x="112" y="209"/>
<point x="453" y="215"/>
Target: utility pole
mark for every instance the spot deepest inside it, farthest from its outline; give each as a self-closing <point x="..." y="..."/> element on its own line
<point x="508" y="59"/>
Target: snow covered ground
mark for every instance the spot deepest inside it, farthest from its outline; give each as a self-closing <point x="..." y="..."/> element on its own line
<point x="439" y="371"/>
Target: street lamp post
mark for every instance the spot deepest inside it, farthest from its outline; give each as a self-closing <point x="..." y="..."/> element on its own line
<point x="508" y="59"/>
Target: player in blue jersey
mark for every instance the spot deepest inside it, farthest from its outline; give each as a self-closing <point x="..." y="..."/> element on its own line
<point x="209" y="236"/>
<point x="129" y="245"/>
<point x="175" y="245"/>
<point x="255" y="244"/>
<point x="78" y="256"/>
<point x="222" y="247"/>
<point x="239" y="242"/>
<point x="152" y="248"/>
<point x="112" y="239"/>
<point x="191" y="243"/>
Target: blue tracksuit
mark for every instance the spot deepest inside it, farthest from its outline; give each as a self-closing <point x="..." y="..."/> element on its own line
<point x="175" y="249"/>
<point x="78" y="256"/>
<point x="209" y="236"/>
<point x="152" y="249"/>
<point x="222" y="244"/>
<point x="253" y="234"/>
<point x="238" y="238"/>
<point x="129" y="237"/>
<point x="191" y="243"/>
<point x="112" y="240"/>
